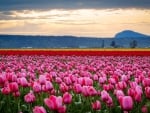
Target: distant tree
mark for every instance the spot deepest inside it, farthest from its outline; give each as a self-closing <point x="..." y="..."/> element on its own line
<point x="113" y="44"/>
<point x="133" y="44"/>
<point x="103" y="44"/>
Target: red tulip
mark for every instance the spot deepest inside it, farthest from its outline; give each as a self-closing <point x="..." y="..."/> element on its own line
<point x="96" y="105"/>
<point x="126" y="103"/>
<point x="39" y="109"/>
<point x="67" y="98"/>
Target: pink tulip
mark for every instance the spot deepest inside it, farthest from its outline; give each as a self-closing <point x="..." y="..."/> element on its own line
<point x="147" y="92"/>
<point x="39" y="109"/>
<point x="138" y="94"/>
<point x="23" y="82"/>
<point x="11" y="77"/>
<point x="16" y="94"/>
<point x="144" y="109"/>
<point x="92" y="91"/>
<point x="6" y="90"/>
<point x="29" y="98"/>
<point x="63" y="87"/>
<point x="95" y="77"/>
<point x="96" y="105"/>
<point x="48" y="86"/>
<point x="131" y="92"/>
<point x="126" y="103"/>
<point x="67" y="80"/>
<point x="88" y="81"/>
<point x="58" y="80"/>
<point x="104" y="95"/>
<point x="53" y="102"/>
<point x="37" y="88"/>
<point x="146" y="82"/>
<point x="119" y="93"/>
<point x="77" y="88"/>
<point x="42" y="79"/>
<point x="2" y="79"/>
<point x="85" y="91"/>
<point x="67" y="98"/>
<point x="13" y="87"/>
<point x="62" y="109"/>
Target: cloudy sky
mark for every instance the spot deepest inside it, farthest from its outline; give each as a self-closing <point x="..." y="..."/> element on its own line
<point x="94" y="18"/>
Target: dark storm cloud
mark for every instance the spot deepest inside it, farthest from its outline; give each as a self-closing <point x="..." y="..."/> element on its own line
<point x="7" y="5"/>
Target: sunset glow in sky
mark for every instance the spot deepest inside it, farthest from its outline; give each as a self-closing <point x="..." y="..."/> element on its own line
<point x="79" y="20"/>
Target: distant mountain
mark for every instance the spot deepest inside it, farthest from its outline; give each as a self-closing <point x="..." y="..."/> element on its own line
<point x="130" y="34"/>
<point x="123" y="39"/>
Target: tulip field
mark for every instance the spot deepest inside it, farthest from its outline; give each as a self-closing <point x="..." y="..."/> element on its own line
<point x="74" y="83"/>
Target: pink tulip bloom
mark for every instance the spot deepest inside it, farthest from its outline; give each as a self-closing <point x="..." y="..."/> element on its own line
<point x="109" y="102"/>
<point x="144" y="109"/>
<point x="147" y="92"/>
<point x="95" y="77"/>
<point x="96" y="105"/>
<point x="62" y="109"/>
<point x="88" y="81"/>
<point x="42" y="79"/>
<point x="5" y="90"/>
<point x="146" y="82"/>
<point x="126" y="103"/>
<point x="104" y="95"/>
<point x="29" y="98"/>
<point x="67" y="98"/>
<point x="119" y="93"/>
<point x="48" y="86"/>
<point x="23" y="82"/>
<point x="58" y="80"/>
<point x="85" y="91"/>
<point x="121" y="85"/>
<point x="112" y="81"/>
<point x="53" y="102"/>
<point x="138" y="94"/>
<point x="39" y="109"/>
<point x="92" y="91"/>
<point x="13" y="87"/>
<point x="124" y="78"/>
<point x="63" y="87"/>
<point x="11" y="77"/>
<point x="77" y="88"/>
<point x="2" y="79"/>
<point x="37" y="88"/>
<point x="131" y="92"/>
<point x="67" y="80"/>
<point x="16" y="94"/>
<point x="102" y="80"/>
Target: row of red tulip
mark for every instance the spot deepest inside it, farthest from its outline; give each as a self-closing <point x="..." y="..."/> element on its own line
<point x="72" y="84"/>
